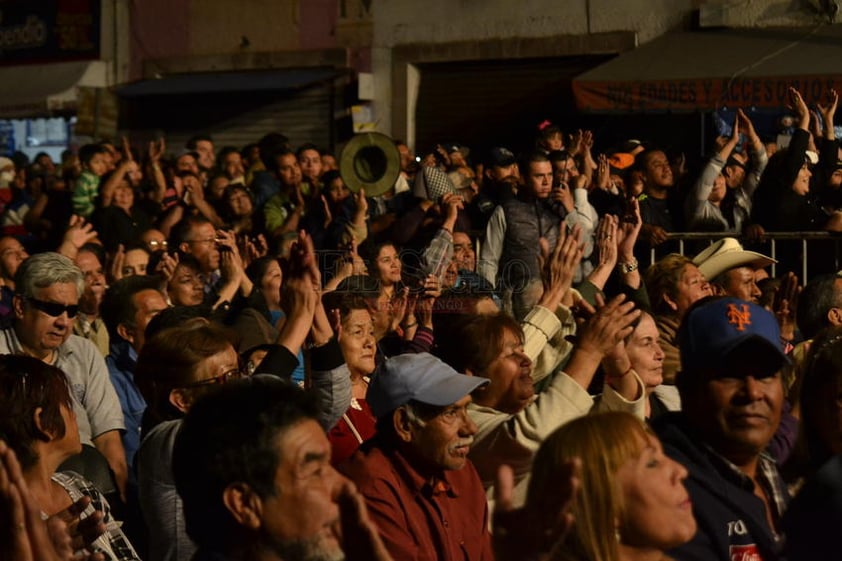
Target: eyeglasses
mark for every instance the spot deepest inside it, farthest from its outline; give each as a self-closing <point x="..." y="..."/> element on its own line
<point x="53" y="309"/>
<point x="155" y="244"/>
<point x="224" y="378"/>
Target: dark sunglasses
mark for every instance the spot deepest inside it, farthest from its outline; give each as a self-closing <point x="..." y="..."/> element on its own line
<point x="53" y="309"/>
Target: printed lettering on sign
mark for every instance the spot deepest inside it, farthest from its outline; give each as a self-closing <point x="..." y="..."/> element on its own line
<point x="744" y="553"/>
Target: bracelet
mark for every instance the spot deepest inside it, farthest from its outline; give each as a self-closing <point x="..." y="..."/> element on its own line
<point x="629" y="267"/>
<point x="409" y="325"/>
<point x="623" y="375"/>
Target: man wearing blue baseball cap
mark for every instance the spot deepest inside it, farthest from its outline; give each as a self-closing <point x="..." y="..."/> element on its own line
<point x="731" y="393"/>
<point x="422" y="492"/>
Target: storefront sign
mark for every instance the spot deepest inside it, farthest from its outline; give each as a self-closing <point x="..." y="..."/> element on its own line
<point x="38" y="31"/>
<point x="699" y="94"/>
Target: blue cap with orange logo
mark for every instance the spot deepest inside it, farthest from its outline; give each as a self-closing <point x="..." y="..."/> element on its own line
<point x="716" y="328"/>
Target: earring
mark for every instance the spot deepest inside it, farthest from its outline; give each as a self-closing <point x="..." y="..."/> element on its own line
<point x="617" y="535"/>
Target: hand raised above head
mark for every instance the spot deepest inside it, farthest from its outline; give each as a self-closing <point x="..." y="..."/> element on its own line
<point x="830" y="107"/>
<point x="800" y="107"/>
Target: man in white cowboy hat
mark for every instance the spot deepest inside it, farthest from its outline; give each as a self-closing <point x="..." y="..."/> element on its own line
<point x="730" y="269"/>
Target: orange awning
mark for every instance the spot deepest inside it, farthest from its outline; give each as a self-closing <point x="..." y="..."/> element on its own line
<point x="707" y="70"/>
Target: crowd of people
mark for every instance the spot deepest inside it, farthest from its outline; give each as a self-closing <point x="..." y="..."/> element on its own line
<point x="231" y="355"/>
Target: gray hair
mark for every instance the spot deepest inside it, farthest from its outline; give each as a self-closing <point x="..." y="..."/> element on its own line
<point x="414" y="415"/>
<point x="43" y="270"/>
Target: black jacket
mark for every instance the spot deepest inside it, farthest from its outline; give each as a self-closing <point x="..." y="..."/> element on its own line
<point x="731" y="519"/>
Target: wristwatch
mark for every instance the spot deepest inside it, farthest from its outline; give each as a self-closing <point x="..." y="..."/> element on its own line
<point x="629" y="267"/>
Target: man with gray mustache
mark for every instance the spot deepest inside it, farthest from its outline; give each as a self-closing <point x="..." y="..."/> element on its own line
<point x="421" y="490"/>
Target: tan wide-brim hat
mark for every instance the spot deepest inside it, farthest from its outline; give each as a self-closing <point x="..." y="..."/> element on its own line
<point x="726" y="254"/>
<point x="370" y="161"/>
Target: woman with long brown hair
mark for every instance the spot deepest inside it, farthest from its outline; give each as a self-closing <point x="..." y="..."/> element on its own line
<point x="631" y="502"/>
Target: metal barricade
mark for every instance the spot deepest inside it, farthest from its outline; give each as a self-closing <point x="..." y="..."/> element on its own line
<point x="770" y="238"/>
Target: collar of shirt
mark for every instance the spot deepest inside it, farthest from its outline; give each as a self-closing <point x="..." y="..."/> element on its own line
<point x="61" y="353"/>
<point x="429" y="485"/>
<point x="767" y="477"/>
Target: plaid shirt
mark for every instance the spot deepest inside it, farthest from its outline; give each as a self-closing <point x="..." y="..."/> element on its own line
<point x="439" y="253"/>
<point x="113" y="543"/>
<point x="768" y="478"/>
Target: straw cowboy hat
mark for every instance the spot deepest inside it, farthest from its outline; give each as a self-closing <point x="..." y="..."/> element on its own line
<point x="726" y="254"/>
<point x="370" y="161"/>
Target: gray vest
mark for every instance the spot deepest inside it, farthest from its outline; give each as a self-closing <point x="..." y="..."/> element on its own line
<point x="526" y="223"/>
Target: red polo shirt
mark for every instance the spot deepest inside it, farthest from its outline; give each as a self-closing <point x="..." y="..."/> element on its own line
<point x="422" y="518"/>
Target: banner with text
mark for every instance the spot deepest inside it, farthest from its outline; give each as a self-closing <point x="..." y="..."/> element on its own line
<point x="699" y="94"/>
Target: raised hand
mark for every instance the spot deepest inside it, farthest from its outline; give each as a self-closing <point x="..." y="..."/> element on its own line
<point x="256" y="247"/>
<point x="360" y="202"/>
<point x="785" y="305"/>
<point x="300" y="294"/>
<point x="452" y="203"/>
<point x="156" y="150"/>
<point x="746" y="125"/>
<point x="79" y="231"/>
<point x="166" y="266"/>
<point x="828" y="112"/>
<point x="574" y="145"/>
<point x="559" y="267"/>
<point x="127" y="150"/>
<point x="358" y="263"/>
<point x="655" y="235"/>
<point x="603" y="173"/>
<point x="735" y="132"/>
<point x="798" y="105"/>
<point x="587" y="140"/>
<point x="400" y="308"/>
<point x="326" y="209"/>
<point x="116" y="271"/>
<point x="606" y="241"/>
<point x="536" y="531"/>
<point x="563" y="194"/>
<point x="609" y="326"/>
<point x="830" y="108"/>
<point x="754" y="232"/>
<point x="628" y="231"/>
<point x="230" y="267"/>
<point x="302" y="279"/>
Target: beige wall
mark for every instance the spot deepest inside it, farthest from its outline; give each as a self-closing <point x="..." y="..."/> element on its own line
<point x="406" y="32"/>
<point x="409" y="21"/>
<point x="217" y="26"/>
<point x="762" y="13"/>
<point x="389" y="36"/>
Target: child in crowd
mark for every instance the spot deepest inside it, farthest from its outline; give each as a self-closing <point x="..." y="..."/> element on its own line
<point x="86" y="188"/>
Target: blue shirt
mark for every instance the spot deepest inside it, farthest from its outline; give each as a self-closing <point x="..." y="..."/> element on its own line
<point x="297" y="375"/>
<point x="121" y="364"/>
